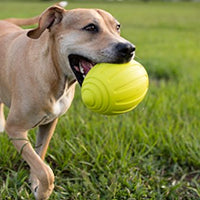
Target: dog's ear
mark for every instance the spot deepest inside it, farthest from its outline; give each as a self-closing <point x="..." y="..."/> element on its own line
<point x="48" y="18"/>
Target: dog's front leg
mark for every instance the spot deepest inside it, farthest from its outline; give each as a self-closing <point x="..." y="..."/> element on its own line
<point x="43" y="172"/>
<point x="44" y="136"/>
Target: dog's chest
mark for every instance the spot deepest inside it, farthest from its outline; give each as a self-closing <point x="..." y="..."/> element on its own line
<point x="60" y="106"/>
<point x="63" y="103"/>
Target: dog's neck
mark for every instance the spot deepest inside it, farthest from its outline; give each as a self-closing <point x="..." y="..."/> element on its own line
<point x="58" y="76"/>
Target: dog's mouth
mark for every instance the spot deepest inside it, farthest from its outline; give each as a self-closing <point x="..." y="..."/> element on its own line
<point x="80" y="66"/>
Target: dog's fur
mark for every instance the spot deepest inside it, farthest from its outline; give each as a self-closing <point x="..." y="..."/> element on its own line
<point x="37" y="82"/>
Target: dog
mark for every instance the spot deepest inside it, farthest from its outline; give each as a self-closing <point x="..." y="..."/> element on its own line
<point x="39" y="69"/>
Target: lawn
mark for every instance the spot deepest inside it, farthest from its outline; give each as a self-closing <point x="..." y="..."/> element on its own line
<point x="152" y="152"/>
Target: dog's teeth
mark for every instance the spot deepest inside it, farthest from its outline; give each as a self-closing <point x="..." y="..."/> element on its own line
<point x="81" y="70"/>
<point x="83" y="76"/>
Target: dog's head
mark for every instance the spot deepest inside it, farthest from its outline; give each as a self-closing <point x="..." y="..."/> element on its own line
<point x="84" y="37"/>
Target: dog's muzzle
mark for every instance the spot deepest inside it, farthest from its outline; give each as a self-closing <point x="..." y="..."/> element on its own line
<point x="122" y="53"/>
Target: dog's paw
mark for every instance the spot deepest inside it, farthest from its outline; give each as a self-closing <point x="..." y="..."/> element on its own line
<point x="37" y="189"/>
<point x="41" y="194"/>
<point x="34" y="182"/>
<point x="42" y="182"/>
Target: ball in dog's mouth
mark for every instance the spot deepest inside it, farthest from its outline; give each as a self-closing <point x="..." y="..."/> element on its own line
<point x="80" y="66"/>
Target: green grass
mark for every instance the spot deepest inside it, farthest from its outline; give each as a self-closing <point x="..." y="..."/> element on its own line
<point x="152" y="152"/>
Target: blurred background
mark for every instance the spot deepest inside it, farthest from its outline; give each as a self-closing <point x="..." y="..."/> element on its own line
<point x="152" y="152"/>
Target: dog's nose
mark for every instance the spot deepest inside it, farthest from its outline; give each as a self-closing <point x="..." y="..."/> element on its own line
<point x="125" y="50"/>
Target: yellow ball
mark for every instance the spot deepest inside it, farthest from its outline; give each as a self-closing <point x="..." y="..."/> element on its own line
<point x="112" y="89"/>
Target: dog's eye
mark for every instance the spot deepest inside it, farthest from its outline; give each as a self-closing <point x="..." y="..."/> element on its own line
<point x="91" y="28"/>
<point x="118" y="27"/>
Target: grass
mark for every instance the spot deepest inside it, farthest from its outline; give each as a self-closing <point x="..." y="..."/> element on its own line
<point x="152" y="152"/>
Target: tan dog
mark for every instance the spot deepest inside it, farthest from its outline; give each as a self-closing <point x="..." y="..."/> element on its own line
<point x="39" y="69"/>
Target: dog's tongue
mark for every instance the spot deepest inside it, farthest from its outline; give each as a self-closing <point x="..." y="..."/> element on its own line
<point x="86" y="66"/>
